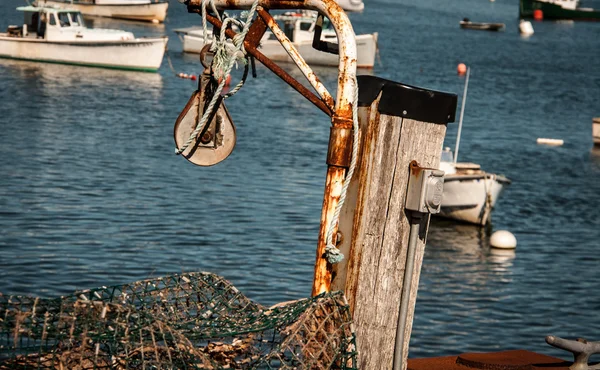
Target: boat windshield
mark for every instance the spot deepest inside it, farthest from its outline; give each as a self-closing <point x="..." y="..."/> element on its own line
<point x="76" y="19"/>
<point x="68" y="19"/>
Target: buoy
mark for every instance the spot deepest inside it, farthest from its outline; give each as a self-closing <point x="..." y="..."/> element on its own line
<point x="503" y="239"/>
<point x="186" y="76"/>
<point x="461" y="69"/>
<point x="552" y="142"/>
<point x="538" y="14"/>
<point x="525" y="28"/>
<point x="155" y="21"/>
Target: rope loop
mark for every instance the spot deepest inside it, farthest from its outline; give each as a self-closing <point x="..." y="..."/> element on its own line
<point x="226" y="56"/>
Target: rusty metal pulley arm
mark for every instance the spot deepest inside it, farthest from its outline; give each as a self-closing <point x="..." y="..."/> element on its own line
<point x="339" y="21"/>
<point x="251" y="42"/>
<point x="342" y="111"/>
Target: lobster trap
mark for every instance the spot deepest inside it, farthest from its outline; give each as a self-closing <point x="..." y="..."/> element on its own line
<point x="188" y="321"/>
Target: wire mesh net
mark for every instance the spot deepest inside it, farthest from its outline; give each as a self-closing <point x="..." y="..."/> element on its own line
<point x="188" y="321"/>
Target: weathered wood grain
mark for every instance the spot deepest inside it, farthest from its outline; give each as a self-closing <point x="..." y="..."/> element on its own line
<point x="375" y="230"/>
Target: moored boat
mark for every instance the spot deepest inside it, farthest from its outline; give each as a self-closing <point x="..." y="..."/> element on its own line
<point x="138" y="10"/>
<point x="596" y="131"/>
<point x="557" y="9"/>
<point x="299" y="28"/>
<point x="351" y="5"/>
<point x="470" y="193"/>
<point x="467" y="24"/>
<point x="56" y="35"/>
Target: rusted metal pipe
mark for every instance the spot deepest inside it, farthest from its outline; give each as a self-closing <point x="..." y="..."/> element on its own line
<point x="251" y="42"/>
<point x="341" y="25"/>
<point x="342" y="114"/>
<point x="297" y="58"/>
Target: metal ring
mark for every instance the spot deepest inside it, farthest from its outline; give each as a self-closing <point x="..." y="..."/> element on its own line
<point x="203" y="53"/>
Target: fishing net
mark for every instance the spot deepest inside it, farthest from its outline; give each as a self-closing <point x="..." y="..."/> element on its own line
<point x="188" y="321"/>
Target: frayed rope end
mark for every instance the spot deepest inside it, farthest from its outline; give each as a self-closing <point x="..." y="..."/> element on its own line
<point x="333" y="254"/>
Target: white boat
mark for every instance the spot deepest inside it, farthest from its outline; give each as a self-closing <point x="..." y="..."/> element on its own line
<point x="525" y="28"/>
<point x="470" y="193"/>
<point x="139" y="10"/>
<point x="56" y="35"/>
<point x="596" y="131"/>
<point x="351" y="5"/>
<point x="299" y="28"/>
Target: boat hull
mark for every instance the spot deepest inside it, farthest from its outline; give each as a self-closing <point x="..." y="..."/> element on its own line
<point x="596" y="131"/>
<point x="482" y="26"/>
<point x="366" y="46"/>
<point x="471" y="198"/>
<point x="150" y="12"/>
<point x="138" y="54"/>
<point x="554" y="11"/>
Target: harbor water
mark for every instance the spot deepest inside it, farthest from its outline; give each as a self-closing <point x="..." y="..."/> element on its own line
<point x="92" y="194"/>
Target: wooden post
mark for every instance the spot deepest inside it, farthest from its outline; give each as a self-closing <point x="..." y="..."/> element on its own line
<point x="399" y="124"/>
<point x="596" y="131"/>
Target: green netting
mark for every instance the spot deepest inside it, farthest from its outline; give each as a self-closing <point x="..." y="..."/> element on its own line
<point x="189" y="321"/>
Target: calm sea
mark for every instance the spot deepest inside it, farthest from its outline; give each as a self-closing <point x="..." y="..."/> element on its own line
<point x="91" y="193"/>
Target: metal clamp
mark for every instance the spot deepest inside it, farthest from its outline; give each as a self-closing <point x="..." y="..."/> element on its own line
<point x="581" y="349"/>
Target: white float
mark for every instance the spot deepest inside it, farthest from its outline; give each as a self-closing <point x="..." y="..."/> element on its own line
<point x="503" y="239"/>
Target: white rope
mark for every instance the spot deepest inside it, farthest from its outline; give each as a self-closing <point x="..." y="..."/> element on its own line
<point x="333" y="254"/>
<point x="226" y="57"/>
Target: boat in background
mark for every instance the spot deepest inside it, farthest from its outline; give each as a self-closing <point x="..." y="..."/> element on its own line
<point x="299" y="28"/>
<point x="596" y="131"/>
<point x="467" y="24"/>
<point x="154" y="11"/>
<point x="470" y="193"/>
<point x="525" y="28"/>
<point x="557" y="9"/>
<point x="351" y="5"/>
<point x="56" y="35"/>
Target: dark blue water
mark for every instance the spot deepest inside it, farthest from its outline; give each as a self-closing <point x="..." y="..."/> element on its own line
<point x="91" y="193"/>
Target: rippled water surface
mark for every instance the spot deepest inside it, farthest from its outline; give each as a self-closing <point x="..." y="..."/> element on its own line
<point x="91" y="193"/>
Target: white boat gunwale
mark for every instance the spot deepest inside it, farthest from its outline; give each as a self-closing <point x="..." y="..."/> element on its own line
<point x="146" y="11"/>
<point x="299" y="28"/>
<point x="484" y="176"/>
<point x="134" y="42"/>
<point x="111" y="5"/>
<point x="66" y="40"/>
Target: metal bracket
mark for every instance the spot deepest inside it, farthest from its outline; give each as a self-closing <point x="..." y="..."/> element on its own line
<point x="327" y="47"/>
<point x="581" y="349"/>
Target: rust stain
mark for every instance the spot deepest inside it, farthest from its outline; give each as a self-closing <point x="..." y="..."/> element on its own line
<point x="323" y="269"/>
<point x="272" y="23"/>
<point x="415" y="169"/>
<point x="258" y="27"/>
<point x="506" y="360"/>
<point x="339" y="151"/>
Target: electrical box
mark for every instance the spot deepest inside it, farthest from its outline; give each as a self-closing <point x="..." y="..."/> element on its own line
<point x="425" y="189"/>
